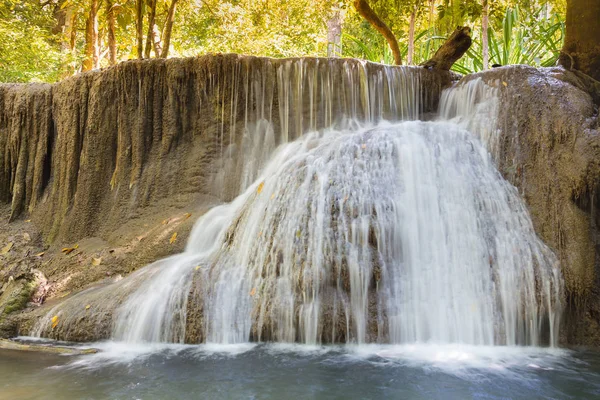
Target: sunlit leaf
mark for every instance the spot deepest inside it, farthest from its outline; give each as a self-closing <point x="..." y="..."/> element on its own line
<point x="54" y="321"/>
<point x="260" y="187"/>
<point x="6" y="248"/>
<point x="96" y="261"/>
<point x="69" y="250"/>
<point x="173" y="238"/>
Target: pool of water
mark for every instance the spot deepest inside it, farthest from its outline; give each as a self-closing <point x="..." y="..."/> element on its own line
<point x="272" y="371"/>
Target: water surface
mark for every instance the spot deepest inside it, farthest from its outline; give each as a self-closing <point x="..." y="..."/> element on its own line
<point x="278" y="371"/>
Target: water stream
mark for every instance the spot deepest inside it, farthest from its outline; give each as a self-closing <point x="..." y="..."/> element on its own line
<point x="276" y="371"/>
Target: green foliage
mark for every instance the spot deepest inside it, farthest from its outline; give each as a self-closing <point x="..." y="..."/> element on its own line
<point x="28" y="51"/>
<point x="275" y="28"/>
<point x="37" y="43"/>
<point x="530" y="39"/>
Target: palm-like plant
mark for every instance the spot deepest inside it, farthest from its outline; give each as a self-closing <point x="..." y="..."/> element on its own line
<point x="533" y="40"/>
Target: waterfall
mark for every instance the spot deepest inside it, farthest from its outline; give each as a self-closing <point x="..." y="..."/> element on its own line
<point x="360" y="226"/>
<point x="281" y="100"/>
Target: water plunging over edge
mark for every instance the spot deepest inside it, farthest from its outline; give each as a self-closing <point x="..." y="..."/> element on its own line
<point x="398" y="233"/>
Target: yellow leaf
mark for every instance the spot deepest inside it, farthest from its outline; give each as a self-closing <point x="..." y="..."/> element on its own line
<point x="260" y="187"/>
<point x="197" y="267"/>
<point x="505" y="84"/>
<point x="27" y="220"/>
<point x="69" y="250"/>
<point x="6" y="248"/>
<point x="54" y="321"/>
<point x="40" y="254"/>
<point x="253" y="292"/>
<point x="96" y="261"/>
<point x="173" y="238"/>
<point x="87" y="307"/>
<point x="272" y="196"/>
<point x="187" y="216"/>
<point x="26" y="237"/>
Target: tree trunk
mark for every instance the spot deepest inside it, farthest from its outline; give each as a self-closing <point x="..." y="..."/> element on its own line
<point x="484" y="34"/>
<point x="581" y="50"/>
<point x="431" y="10"/>
<point x="62" y="18"/>
<point x="156" y="39"/>
<point x="65" y="44"/>
<point x="334" y="34"/>
<point x="150" y="35"/>
<point x="367" y="13"/>
<point x="91" y="38"/>
<point x="112" y="42"/>
<point x="411" y="37"/>
<point x="73" y="33"/>
<point x="168" y="29"/>
<point x="139" y="28"/>
<point x="453" y="48"/>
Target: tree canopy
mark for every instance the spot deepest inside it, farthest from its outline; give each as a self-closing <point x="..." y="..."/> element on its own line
<point x="46" y="40"/>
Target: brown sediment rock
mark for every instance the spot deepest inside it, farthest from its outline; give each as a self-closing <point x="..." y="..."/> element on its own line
<point x="550" y="150"/>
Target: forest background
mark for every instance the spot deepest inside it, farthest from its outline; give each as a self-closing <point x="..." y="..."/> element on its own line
<point x="48" y="40"/>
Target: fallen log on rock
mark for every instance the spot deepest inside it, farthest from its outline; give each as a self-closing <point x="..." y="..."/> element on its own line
<point x="453" y="48"/>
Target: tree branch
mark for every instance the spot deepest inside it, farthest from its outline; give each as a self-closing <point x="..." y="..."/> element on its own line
<point x="453" y="48"/>
<point x="368" y="14"/>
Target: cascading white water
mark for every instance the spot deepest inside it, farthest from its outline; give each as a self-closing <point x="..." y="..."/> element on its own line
<point x="285" y="99"/>
<point x="396" y="232"/>
<point x="412" y="214"/>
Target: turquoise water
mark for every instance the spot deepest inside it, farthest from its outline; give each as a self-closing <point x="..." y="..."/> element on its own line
<point x="265" y="371"/>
